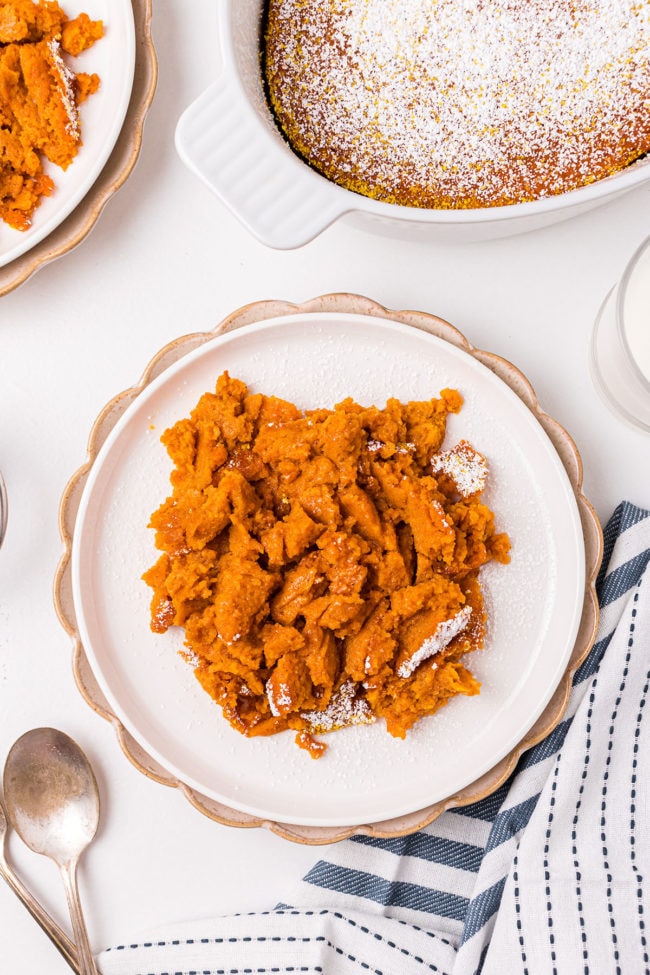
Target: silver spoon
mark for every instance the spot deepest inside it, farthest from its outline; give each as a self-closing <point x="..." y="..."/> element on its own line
<point x="38" y="912"/>
<point x="53" y="803"/>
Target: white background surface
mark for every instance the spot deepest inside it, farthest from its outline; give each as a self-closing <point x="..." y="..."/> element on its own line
<point x="166" y="259"/>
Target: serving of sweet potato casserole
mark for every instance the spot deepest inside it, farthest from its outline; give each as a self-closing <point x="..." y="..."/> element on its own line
<point x="39" y="99"/>
<point x="324" y="564"/>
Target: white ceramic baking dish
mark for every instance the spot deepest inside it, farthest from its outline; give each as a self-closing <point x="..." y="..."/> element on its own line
<point x="229" y="139"/>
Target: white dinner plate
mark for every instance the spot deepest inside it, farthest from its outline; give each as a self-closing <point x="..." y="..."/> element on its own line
<point x="112" y="57"/>
<point x="534" y="603"/>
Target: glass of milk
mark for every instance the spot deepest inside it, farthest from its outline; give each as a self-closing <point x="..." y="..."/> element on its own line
<point x="620" y="349"/>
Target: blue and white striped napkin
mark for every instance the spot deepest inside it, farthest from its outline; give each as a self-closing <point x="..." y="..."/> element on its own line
<point x="544" y="876"/>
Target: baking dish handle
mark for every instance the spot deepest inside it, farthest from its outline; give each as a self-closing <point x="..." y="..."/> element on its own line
<point x="243" y="159"/>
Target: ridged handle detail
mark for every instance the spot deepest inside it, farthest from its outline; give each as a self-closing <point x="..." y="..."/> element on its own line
<point x="225" y="141"/>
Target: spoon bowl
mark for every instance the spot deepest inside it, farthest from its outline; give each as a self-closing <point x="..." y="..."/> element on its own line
<point x="52" y="801"/>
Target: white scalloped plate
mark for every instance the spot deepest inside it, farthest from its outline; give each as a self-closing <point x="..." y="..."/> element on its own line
<point x="534" y="604"/>
<point x="102" y="117"/>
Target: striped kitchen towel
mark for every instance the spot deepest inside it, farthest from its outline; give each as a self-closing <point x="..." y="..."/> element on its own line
<point x="546" y="875"/>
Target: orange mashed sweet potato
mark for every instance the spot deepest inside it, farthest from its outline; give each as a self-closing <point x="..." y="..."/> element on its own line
<point x="324" y="564"/>
<point x="39" y="100"/>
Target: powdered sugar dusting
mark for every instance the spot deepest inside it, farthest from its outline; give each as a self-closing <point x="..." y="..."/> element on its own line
<point x="279" y="699"/>
<point x="345" y="709"/>
<point x="442" y="637"/>
<point x="450" y="103"/>
<point x="464" y="465"/>
<point x="66" y="81"/>
<point x="440" y="511"/>
<point x="374" y="445"/>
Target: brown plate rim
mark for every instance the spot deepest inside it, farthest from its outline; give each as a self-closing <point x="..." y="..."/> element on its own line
<point x="509" y="374"/>
<point x="78" y="224"/>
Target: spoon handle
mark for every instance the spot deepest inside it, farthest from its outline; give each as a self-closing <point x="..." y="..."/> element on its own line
<point x="84" y="951"/>
<point x="40" y="915"/>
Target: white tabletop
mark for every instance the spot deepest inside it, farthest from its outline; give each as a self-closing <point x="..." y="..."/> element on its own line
<point x="166" y="259"/>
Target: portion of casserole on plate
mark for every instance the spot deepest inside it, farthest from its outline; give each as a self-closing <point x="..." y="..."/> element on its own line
<point x="324" y="564"/>
<point x="39" y="100"/>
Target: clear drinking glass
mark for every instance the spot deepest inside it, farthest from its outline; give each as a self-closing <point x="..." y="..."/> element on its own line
<point x="4" y="509"/>
<point x="620" y="348"/>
